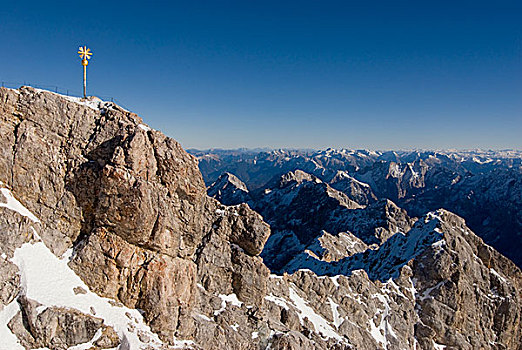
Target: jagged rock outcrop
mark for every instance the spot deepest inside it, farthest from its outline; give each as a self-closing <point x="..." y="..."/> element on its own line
<point x="229" y="190"/>
<point x="491" y="202"/>
<point x="329" y="247"/>
<point x="456" y="280"/>
<point x="299" y="206"/>
<point x="108" y="237"/>
<point x="356" y="190"/>
<point x="459" y="282"/>
<point x="127" y="199"/>
<point x="59" y="328"/>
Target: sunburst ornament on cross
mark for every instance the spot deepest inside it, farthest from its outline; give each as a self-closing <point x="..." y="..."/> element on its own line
<point x="85" y="55"/>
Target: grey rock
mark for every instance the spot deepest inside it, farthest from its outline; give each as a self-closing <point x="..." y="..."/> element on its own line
<point x="58" y="328"/>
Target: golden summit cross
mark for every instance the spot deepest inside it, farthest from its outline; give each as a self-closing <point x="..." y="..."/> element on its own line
<point x="85" y="55"/>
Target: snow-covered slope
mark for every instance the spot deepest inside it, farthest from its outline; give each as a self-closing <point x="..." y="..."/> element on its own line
<point x="47" y="280"/>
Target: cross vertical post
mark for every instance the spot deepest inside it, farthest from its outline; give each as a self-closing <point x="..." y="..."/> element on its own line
<point x="84" y="81"/>
<point x="85" y="55"/>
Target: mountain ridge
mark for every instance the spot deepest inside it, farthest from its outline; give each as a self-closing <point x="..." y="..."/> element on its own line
<point x="481" y="186"/>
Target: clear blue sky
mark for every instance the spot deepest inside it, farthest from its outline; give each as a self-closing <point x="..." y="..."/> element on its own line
<point x="356" y="74"/>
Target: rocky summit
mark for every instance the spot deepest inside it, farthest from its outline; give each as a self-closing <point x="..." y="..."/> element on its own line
<point x="109" y="240"/>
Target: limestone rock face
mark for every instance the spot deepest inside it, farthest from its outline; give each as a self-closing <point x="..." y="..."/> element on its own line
<point x="458" y="280"/>
<point x="122" y="212"/>
<point x="129" y="201"/>
<point x="58" y="328"/>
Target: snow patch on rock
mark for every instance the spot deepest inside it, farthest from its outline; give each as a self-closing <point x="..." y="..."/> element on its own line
<point x="13" y="204"/>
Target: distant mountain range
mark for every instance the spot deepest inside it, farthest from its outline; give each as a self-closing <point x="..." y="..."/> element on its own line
<point x="482" y="186"/>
